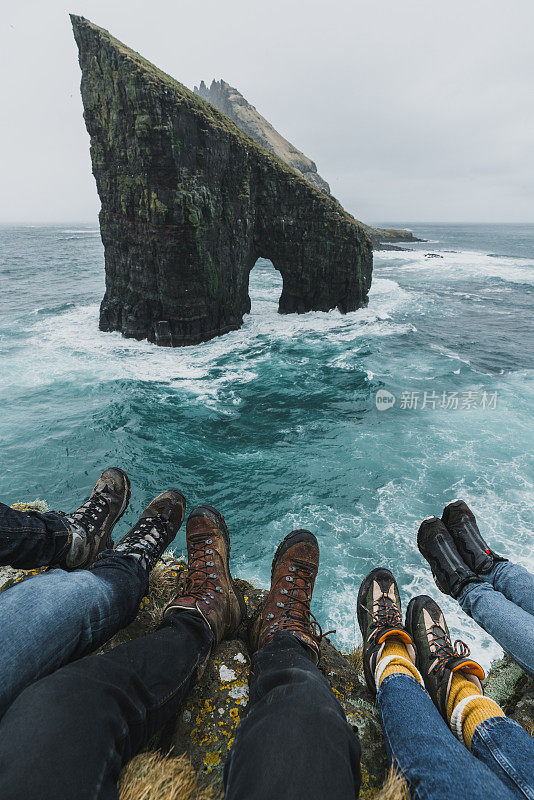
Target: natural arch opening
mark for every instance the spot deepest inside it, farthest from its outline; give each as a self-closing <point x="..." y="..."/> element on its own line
<point x="264" y="287"/>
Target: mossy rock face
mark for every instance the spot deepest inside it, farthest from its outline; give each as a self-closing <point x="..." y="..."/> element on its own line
<point x="232" y="103"/>
<point x="190" y="202"/>
<point x="513" y="690"/>
<point x="206" y="726"/>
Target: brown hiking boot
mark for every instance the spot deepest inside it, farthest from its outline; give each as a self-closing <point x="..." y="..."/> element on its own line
<point x="287" y="607"/>
<point x="209" y="586"/>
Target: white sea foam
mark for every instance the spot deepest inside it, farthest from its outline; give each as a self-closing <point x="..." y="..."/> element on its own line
<point x="388" y="471"/>
<point x="88" y="231"/>
<point x="465" y="263"/>
<point x="70" y="344"/>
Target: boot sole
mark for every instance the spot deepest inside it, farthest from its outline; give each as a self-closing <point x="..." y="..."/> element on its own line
<point x="220" y="522"/>
<point x="109" y="541"/>
<point x="360" y="614"/>
<point x="456" y="504"/>
<point x="295" y="537"/>
<point x="427" y="521"/>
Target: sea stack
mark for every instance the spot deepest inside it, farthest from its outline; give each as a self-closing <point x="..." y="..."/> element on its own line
<point x="190" y="202"/>
<point x="231" y="102"/>
<point x="248" y="119"/>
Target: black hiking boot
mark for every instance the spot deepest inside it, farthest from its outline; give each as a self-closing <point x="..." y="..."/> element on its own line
<point x="91" y="525"/>
<point x="379" y="617"/>
<point x="462" y="525"/>
<point x="155" y="529"/>
<point x="436" y="659"/>
<point x="436" y="544"/>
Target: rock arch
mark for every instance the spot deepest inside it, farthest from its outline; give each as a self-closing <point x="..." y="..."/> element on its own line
<point x="189" y="203"/>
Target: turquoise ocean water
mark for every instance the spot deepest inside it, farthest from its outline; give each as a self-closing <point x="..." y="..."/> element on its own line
<point x="277" y="424"/>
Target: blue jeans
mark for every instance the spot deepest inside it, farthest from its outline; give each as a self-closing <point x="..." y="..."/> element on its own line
<point x="67" y="735"/>
<point x="30" y="539"/>
<point x="504" y="606"/>
<point x="50" y="619"/>
<point x="436" y="765"/>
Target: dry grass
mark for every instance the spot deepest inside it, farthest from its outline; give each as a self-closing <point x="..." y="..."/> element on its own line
<point x="163" y="581"/>
<point x="355" y="658"/>
<point x="150" y="776"/>
<point x="527" y="724"/>
<point x="393" y="788"/>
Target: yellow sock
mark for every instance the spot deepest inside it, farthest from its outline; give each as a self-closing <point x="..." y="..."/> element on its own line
<point x="476" y="711"/>
<point x="400" y="661"/>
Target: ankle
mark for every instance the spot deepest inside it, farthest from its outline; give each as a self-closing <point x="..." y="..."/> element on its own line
<point x="467" y="707"/>
<point x="395" y="660"/>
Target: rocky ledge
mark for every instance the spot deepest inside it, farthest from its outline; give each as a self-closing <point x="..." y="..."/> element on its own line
<point x="189" y="203"/>
<point x="199" y="739"/>
<point x="387" y="238"/>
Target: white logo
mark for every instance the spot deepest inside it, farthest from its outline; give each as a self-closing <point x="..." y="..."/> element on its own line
<point x="384" y="400"/>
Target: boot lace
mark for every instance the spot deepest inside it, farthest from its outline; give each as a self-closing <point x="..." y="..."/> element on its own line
<point x="91" y="514"/>
<point x="442" y="648"/>
<point x="200" y="579"/>
<point x="145" y="538"/>
<point x="296" y="615"/>
<point x="385" y="613"/>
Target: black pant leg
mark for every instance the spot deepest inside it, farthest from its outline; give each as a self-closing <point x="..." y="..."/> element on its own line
<point x="295" y="742"/>
<point x="30" y="539"/>
<point x="68" y="735"/>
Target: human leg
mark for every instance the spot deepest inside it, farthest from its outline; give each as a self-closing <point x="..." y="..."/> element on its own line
<point x="60" y="616"/>
<point x="295" y="741"/>
<point x="509" y="624"/>
<point x="422" y="748"/>
<point x="69" y="734"/>
<point x="30" y="539"/>
<point x="515" y="582"/>
<point x="89" y="718"/>
<point x="452" y="679"/>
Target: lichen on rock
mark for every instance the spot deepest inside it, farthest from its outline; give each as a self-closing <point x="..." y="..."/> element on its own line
<point x="189" y="203"/>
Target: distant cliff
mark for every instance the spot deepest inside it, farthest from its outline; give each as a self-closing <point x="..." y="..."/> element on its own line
<point x="232" y="103"/>
<point x="189" y="203"/>
<point x="386" y="238"/>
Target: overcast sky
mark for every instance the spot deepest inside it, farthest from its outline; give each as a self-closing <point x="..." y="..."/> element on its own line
<point x="413" y="110"/>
